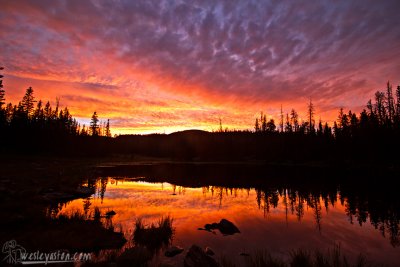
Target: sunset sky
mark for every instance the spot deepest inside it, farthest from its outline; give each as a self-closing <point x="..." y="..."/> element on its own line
<point x="162" y="66"/>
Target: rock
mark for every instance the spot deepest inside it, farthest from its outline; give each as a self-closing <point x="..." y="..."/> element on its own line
<point x="196" y="257"/>
<point x="209" y="251"/>
<point x="224" y="226"/>
<point x="227" y="228"/>
<point x="173" y="251"/>
<point x="211" y="226"/>
<point x="208" y="227"/>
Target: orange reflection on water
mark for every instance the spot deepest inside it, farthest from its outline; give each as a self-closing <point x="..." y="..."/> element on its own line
<point x="276" y="221"/>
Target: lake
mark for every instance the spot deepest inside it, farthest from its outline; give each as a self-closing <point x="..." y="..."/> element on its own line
<point x="278" y="219"/>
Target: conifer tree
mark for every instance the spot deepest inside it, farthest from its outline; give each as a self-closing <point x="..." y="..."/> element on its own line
<point x="28" y="102"/>
<point x="257" y="126"/>
<point x="94" y="125"/>
<point x="294" y="120"/>
<point x="3" y="119"/>
<point x="107" y="129"/>
<point x="263" y="123"/>
<point x="311" y="112"/>
<point x="390" y="103"/>
<point x="288" y="126"/>
<point x="2" y="91"/>
<point x="270" y="126"/>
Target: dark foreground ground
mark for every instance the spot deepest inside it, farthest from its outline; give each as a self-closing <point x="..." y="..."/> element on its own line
<point x="30" y="187"/>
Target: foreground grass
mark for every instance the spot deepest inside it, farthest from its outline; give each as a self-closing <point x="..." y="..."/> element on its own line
<point x="154" y="236"/>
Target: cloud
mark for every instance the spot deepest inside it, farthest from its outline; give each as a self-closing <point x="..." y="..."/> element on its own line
<point x="229" y="56"/>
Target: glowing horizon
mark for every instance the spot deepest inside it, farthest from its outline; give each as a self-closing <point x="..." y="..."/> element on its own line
<point x="163" y="67"/>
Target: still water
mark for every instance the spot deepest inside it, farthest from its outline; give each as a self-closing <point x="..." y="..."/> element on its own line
<point x="276" y="220"/>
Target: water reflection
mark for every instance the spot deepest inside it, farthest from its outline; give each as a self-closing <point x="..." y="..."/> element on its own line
<point x="278" y="219"/>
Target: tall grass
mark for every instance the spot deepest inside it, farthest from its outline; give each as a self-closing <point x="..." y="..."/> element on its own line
<point x="303" y="258"/>
<point x="155" y="235"/>
<point x="264" y="259"/>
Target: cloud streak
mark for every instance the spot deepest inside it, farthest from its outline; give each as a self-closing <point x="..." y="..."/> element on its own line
<point x="226" y="58"/>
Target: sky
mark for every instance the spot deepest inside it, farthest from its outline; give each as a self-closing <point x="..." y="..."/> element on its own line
<point x="163" y="66"/>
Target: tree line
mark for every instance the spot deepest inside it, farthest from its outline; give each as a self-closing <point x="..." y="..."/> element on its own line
<point x="379" y="115"/>
<point x="31" y="115"/>
<point x="373" y="135"/>
<point x="36" y="127"/>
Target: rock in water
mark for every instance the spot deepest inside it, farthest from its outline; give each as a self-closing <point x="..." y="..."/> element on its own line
<point x="173" y="251"/>
<point x="208" y="227"/>
<point x="196" y="257"/>
<point x="227" y="228"/>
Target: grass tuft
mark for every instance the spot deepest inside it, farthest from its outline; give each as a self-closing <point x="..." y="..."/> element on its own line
<point x="155" y="235"/>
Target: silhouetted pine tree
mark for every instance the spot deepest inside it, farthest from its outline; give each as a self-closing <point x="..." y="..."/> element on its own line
<point x="270" y="126"/>
<point x="311" y="113"/>
<point x="320" y="130"/>
<point x="327" y="131"/>
<point x="390" y="104"/>
<point x="107" y="129"/>
<point x="8" y="113"/>
<point x="397" y="114"/>
<point x="2" y="102"/>
<point x="94" y="125"/>
<point x="288" y="125"/>
<point x="28" y="102"/>
<point x="263" y="123"/>
<point x="2" y="91"/>
<point x="294" y="120"/>
<point x="281" y="123"/>
<point x="380" y="108"/>
<point x="84" y="131"/>
<point x="257" y="126"/>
